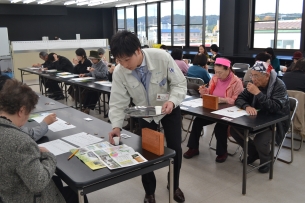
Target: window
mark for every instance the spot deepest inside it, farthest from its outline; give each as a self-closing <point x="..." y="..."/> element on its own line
<point x="168" y="18"/>
<point x="141" y="21"/>
<point x="166" y="23"/>
<point x="212" y="11"/>
<point x="179" y="22"/>
<point x="130" y="18"/>
<point x="152" y="22"/>
<point x="196" y="17"/>
<point x="121" y="19"/>
<point x="283" y="34"/>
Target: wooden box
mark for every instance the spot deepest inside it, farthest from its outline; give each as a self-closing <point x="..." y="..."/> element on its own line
<point x="153" y="141"/>
<point x="210" y="101"/>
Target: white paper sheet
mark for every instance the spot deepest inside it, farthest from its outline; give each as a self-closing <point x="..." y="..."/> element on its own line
<point x="64" y="73"/>
<point x="187" y="96"/>
<point x="193" y="103"/>
<point x="34" y="68"/>
<point x="232" y="112"/>
<point x="82" y="79"/>
<point x="68" y="76"/>
<point x="58" y="125"/>
<point x="82" y="139"/>
<point x="57" y="147"/>
<point x="105" y="83"/>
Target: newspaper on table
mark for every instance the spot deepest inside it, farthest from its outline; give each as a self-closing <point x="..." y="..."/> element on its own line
<point x="103" y="154"/>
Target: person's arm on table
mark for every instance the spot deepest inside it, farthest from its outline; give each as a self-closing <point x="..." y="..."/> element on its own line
<point x="39" y="131"/>
<point x="119" y="100"/>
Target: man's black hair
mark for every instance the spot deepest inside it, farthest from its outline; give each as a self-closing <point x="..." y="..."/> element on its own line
<point x="177" y="54"/>
<point x="262" y="57"/>
<point x="200" y="60"/>
<point x="51" y="57"/>
<point x="124" y="44"/>
<point x="81" y="52"/>
<point x="214" y="47"/>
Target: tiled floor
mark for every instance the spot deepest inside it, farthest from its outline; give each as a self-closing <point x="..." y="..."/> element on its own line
<point x="204" y="181"/>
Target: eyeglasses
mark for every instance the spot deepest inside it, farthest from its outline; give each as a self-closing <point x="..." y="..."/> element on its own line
<point x="255" y="76"/>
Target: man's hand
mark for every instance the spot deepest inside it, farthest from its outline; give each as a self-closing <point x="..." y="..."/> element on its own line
<point x="91" y="69"/>
<point x="167" y="107"/>
<point x="81" y="75"/>
<point x="116" y="132"/>
<point x="253" y="89"/>
<point x="43" y="149"/>
<point x="50" y="119"/>
<point x="252" y="111"/>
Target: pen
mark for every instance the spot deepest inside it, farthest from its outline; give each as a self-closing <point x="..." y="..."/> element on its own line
<point x="202" y="86"/>
<point x="72" y="155"/>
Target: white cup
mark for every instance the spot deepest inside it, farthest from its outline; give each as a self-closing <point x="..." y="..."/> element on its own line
<point x="88" y="68"/>
<point x="158" y="109"/>
<point x="116" y="140"/>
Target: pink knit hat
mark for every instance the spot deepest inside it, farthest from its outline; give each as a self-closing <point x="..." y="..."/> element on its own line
<point x="223" y="61"/>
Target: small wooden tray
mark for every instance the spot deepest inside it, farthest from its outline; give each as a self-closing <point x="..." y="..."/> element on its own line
<point x="210" y="101"/>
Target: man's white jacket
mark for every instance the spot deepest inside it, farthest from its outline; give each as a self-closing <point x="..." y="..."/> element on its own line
<point x="165" y="78"/>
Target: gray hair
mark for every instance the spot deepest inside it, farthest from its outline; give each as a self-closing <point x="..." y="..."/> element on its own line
<point x="43" y="54"/>
<point x="101" y="51"/>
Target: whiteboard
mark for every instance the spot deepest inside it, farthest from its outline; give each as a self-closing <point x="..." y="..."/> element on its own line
<point x="4" y="43"/>
<point x="58" y="44"/>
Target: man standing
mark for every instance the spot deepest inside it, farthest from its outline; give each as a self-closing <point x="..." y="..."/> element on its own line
<point x="266" y="93"/>
<point x="144" y="75"/>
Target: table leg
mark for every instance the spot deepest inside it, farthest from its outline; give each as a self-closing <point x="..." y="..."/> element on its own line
<point x="80" y="195"/>
<point x="75" y="100"/>
<point x="45" y="89"/>
<point x="246" y="138"/>
<point x="66" y="92"/>
<point x="80" y="98"/>
<point x="131" y="124"/>
<point x="40" y="84"/>
<point x="272" y="152"/>
<point x="171" y="180"/>
<point x="21" y="76"/>
<point x="104" y="104"/>
<point x="99" y="104"/>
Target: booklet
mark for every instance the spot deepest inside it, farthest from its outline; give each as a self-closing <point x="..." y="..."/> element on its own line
<point x="103" y="154"/>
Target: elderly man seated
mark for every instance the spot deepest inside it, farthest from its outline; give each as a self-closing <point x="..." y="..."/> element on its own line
<point x="266" y="93"/>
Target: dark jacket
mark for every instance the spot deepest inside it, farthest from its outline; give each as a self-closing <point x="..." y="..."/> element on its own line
<point x="26" y="173"/>
<point x="295" y="80"/>
<point x="48" y="64"/>
<point x="63" y="64"/>
<point x="81" y="68"/>
<point x="273" y="100"/>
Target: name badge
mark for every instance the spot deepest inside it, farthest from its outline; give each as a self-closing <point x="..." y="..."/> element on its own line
<point x="162" y="97"/>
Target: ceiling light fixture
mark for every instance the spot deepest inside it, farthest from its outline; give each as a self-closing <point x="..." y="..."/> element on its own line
<point x="95" y="3"/>
<point x="122" y="5"/>
<point x="28" y="1"/>
<point x="82" y="3"/>
<point x="69" y="2"/>
<point x="15" y="1"/>
<point x="44" y="1"/>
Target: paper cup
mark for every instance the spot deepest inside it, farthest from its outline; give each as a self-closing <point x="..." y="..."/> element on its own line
<point x="116" y="140"/>
<point x="158" y="109"/>
<point x="88" y="68"/>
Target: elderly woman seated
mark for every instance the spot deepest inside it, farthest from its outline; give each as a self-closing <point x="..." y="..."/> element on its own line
<point x="26" y="169"/>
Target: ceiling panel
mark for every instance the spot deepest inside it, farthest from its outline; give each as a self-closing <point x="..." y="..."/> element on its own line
<point x="105" y="5"/>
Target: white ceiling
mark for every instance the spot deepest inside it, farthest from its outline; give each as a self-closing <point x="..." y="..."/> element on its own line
<point x="106" y="5"/>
